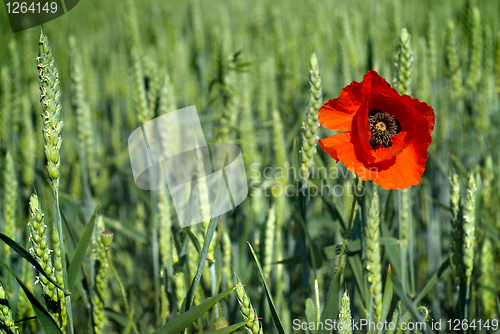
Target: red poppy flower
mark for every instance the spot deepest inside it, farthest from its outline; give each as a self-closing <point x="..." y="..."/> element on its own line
<point x="386" y="135"/>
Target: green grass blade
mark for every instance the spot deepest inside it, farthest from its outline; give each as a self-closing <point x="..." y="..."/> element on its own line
<point x="357" y="270"/>
<point x="25" y="254"/>
<point x="232" y="328"/>
<point x="81" y="249"/>
<point x="48" y="323"/>
<point x="434" y="279"/>
<point x="387" y="298"/>
<point x="274" y="313"/>
<point x="178" y="324"/>
<point x="331" y="309"/>
<point x="189" y="299"/>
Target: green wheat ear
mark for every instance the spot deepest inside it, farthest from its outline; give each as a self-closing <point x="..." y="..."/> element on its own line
<point x="345" y="315"/>
<point x="5" y="105"/>
<point x="311" y="125"/>
<point x="6" y="318"/>
<point x="247" y="310"/>
<point x="469" y="223"/>
<point x="497" y="62"/>
<point x="144" y="113"/>
<point x="488" y="278"/>
<point x="27" y="143"/>
<point x="269" y="241"/>
<point x="80" y="105"/>
<point x="16" y="90"/>
<point x="475" y="66"/>
<point x="42" y="253"/>
<point x="10" y="199"/>
<point x="373" y="266"/>
<point x="101" y="281"/>
<point x="452" y="62"/>
<point x="227" y="257"/>
<point x="457" y="228"/>
<point x="404" y="64"/>
<point x="51" y="105"/>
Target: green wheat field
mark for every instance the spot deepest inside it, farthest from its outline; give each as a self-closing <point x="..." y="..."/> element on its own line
<point x="425" y="259"/>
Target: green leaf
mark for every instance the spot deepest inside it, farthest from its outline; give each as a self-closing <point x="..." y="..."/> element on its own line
<point x="81" y="249"/>
<point x="232" y="328"/>
<point x="291" y="260"/>
<point x="310" y="317"/>
<point x="194" y="239"/>
<point x="331" y="310"/>
<point x="270" y="301"/>
<point x="387" y="299"/>
<point x="398" y="288"/>
<point x="181" y="322"/>
<point x="25" y="254"/>
<point x="434" y="279"/>
<point x="48" y="323"/>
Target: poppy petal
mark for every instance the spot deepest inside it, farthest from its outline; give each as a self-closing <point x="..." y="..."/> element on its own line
<point x="337" y="113"/>
<point x="423" y="109"/>
<point x="343" y="147"/>
<point x="406" y="171"/>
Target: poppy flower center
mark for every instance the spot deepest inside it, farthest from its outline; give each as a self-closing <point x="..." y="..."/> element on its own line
<point x="383" y="128"/>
